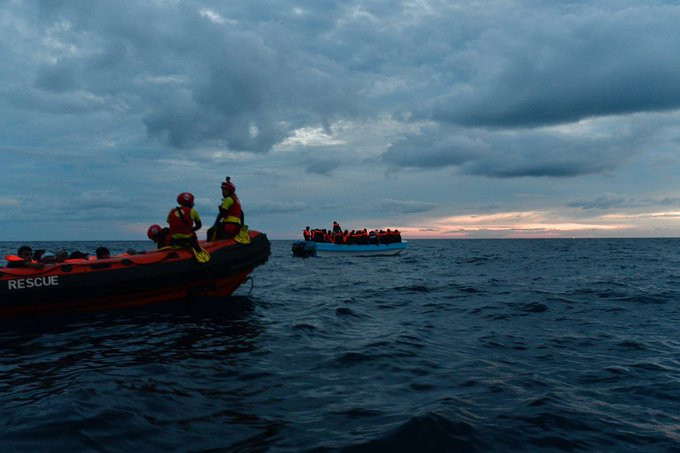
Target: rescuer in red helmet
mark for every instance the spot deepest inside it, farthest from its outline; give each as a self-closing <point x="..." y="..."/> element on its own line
<point x="159" y="235"/>
<point x="184" y="221"/>
<point x="231" y="214"/>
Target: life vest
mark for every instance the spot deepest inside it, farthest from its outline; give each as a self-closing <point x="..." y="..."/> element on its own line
<point x="317" y="236"/>
<point x="163" y="238"/>
<point x="181" y="225"/>
<point x="339" y="238"/>
<point x="14" y="261"/>
<point x="307" y="235"/>
<point x="234" y="213"/>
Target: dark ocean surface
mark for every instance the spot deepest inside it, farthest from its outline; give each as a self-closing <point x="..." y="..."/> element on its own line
<point x="464" y="345"/>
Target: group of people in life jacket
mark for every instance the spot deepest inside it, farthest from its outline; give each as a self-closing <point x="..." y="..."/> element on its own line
<point x="336" y="235"/>
<point x="183" y="220"/>
<point x="38" y="259"/>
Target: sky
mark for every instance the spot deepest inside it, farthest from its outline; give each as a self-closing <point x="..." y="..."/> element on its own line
<point x="445" y="119"/>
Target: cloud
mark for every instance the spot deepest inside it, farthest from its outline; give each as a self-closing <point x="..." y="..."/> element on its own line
<point x="541" y="66"/>
<point x="506" y="154"/>
<point x="403" y="206"/>
<point x="612" y="200"/>
<point x="604" y="201"/>
<point x="275" y="207"/>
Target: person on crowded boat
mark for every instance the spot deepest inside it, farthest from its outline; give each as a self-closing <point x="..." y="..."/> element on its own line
<point x="336" y="228"/>
<point x="338" y="238"/>
<point x="373" y="237"/>
<point x="78" y="255"/>
<point x="355" y="237"/>
<point x="60" y="256"/>
<point x="159" y="235"/>
<point x="307" y="234"/>
<point x="231" y="212"/>
<point x="317" y="235"/>
<point x="184" y="221"/>
<point x="23" y="258"/>
<point x="102" y="253"/>
<point x="48" y="258"/>
<point x="37" y="255"/>
<point x="364" y="237"/>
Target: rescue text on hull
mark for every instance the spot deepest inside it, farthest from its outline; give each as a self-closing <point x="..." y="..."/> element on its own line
<point x="310" y="248"/>
<point x="122" y="281"/>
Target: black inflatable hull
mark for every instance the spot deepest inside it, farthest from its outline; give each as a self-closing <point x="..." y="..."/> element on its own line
<point x="131" y="280"/>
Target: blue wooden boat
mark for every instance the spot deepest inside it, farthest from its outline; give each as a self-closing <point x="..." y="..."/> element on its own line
<point x="310" y="248"/>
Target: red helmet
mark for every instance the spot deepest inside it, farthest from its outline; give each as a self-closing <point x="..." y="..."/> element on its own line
<point x="228" y="185"/>
<point x="185" y="199"/>
<point x="153" y="231"/>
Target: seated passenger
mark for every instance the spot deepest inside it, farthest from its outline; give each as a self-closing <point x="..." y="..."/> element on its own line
<point x="23" y="258"/>
<point x="317" y="235"/>
<point x="102" y="253"/>
<point x="397" y="236"/>
<point x="61" y="256"/>
<point x="78" y="255"/>
<point x="48" y="258"/>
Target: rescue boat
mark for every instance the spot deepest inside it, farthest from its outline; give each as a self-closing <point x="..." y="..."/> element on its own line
<point x="129" y="280"/>
<point x="310" y="248"/>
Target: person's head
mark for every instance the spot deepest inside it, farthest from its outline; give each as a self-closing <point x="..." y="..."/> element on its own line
<point x="186" y="199"/>
<point x="25" y="253"/>
<point x="153" y="232"/>
<point x="48" y="258"/>
<point x="61" y="256"/>
<point x="77" y="254"/>
<point x="228" y="187"/>
<point x="102" y="252"/>
<point x="307" y="228"/>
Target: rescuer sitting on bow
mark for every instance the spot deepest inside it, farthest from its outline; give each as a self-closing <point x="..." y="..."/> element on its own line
<point x="231" y="214"/>
<point x="184" y="221"/>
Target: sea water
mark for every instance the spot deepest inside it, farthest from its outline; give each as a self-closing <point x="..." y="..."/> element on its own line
<point x="487" y="345"/>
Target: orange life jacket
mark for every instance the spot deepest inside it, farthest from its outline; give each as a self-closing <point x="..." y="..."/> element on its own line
<point x="234" y="211"/>
<point x="183" y="224"/>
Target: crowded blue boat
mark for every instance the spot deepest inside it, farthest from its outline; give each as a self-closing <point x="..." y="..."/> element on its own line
<point x="336" y="241"/>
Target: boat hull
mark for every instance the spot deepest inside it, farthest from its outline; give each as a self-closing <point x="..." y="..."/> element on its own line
<point x="325" y="249"/>
<point x="129" y="281"/>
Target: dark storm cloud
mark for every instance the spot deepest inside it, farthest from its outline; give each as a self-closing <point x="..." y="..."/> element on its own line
<point x="554" y="65"/>
<point x="245" y="75"/>
<point x="276" y="207"/>
<point x="402" y="206"/>
<point x="604" y="201"/>
<point x="200" y="75"/>
<point x="322" y="167"/>
<point x="507" y="154"/>
<point x="612" y="200"/>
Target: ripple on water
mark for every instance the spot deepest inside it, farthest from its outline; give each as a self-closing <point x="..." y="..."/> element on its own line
<point x="428" y="432"/>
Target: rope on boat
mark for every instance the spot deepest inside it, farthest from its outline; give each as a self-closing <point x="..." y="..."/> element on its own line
<point x="252" y="284"/>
